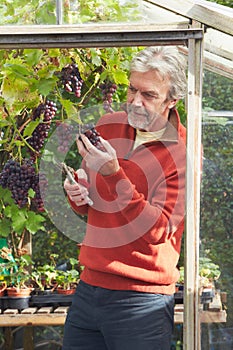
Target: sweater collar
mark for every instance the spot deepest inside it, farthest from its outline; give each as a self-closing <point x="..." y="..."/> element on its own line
<point x="171" y="132"/>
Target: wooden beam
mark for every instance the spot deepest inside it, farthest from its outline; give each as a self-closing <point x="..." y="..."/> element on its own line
<point x="214" y="63"/>
<point x="212" y="15"/>
<point x="59" y="36"/>
<point x="193" y="179"/>
<point x="50" y="319"/>
<point x="58" y="319"/>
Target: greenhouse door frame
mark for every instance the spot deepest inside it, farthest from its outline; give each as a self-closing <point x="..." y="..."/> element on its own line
<point x="85" y="36"/>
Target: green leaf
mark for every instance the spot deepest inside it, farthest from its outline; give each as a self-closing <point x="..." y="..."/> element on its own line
<point x="34" y="222"/>
<point x="17" y="69"/>
<point x="45" y="86"/>
<point x="70" y="109"/>
<point x="31" y="127"/>
<point x="5" y="227"/>
<point x="33" y="56"/>
<point x="31" y="193"/>
<point x="7" y="211"/>
<point x="96" y="60"/>
<point x="17" y="91"/>
<point x="19" y="220"/>
<point x="120" y="77"/>
<point x="54" y="52"/>
<point x="4" y="122"/>
<point x="6" y="196"/>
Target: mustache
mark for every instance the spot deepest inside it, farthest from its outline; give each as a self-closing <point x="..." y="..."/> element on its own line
<point x="137" y="110"/>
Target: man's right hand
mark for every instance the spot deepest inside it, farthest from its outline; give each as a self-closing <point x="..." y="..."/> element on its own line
<point x="77" y="192"/>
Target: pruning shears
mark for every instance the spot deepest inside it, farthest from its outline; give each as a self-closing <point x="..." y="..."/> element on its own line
<point x="73" y="178"/>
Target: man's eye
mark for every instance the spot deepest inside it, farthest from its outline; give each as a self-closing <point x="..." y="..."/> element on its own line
<point x="148" y="96"/>
<point x="132" y="89"/>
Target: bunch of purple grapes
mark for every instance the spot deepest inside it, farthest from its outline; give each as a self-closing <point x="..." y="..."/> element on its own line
<point x="71" y="79"/>
<point x="19" y="178"/>
<point x="39" y="186"/>
<point x="108" y="89"/>
<point x="40" y="133"/>
<point x="65" y="134"/>
<point x="93" y="135"/>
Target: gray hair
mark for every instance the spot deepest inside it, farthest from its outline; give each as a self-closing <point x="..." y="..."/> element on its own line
<point x="168" y="62"/>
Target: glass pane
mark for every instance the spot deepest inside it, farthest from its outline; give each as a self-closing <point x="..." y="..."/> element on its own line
<point x="83" y="11"/>
<point x="29" y="12"/>
<point x="216" y="247"/>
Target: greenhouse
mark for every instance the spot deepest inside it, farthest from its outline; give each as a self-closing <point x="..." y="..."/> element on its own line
<point x="41" y="44"/>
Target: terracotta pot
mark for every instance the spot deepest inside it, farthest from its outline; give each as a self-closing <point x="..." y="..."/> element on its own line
<point x="17" y="292"/>
<point x="2" y="290"/>
<point x="65" y="291"/>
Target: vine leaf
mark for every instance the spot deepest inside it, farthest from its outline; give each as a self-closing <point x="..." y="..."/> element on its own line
<point x="34" y="222"/>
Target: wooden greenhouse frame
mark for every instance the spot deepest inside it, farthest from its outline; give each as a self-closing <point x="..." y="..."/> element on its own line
<point x="190" y="34"/>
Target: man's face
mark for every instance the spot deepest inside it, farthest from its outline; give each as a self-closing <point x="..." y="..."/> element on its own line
<point x="147" y="104"/>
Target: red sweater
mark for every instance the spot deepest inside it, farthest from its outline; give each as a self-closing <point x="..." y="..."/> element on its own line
<point x="135" y="226"/>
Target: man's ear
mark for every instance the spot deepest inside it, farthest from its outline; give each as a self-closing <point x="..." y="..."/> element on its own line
<point x="172" y="103"/>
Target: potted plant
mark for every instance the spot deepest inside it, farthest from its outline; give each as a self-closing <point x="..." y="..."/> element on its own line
<point x="18" y="280"/>
<point x="44" y="277"/>
<point x="67" y="280"/>
<point x="17" y="283"/>
<point x="209" y="272"/>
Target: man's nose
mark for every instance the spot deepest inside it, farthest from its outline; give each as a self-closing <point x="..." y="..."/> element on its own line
<point x="137" y="99"/>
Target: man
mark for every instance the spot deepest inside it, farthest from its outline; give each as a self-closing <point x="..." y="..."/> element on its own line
<point x="131" y="248"/>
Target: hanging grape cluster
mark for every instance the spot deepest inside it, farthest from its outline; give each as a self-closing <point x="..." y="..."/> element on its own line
<point x="108" y="89"/>
<point x="93" y="135"/>
<point x="19" y="178"/>
<point x="39" y="135"/>
<point x="64" y="133"/>
<point x="71" y="79"/>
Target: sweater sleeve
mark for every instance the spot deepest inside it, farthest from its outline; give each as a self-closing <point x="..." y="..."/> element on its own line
<point x="155" y="218"/>
<point x="82" y="210"/>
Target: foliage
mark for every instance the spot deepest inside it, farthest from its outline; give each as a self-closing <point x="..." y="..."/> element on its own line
<point x="27" y="12"/>
<point x="74" y="11"/>
<point x="15" y="272"/>
<point x="27" y="78"/>
<point x="227" y="3"/>
<point x="208" y="271"/>
<point x="217" y="92"/>
<point x="44" y="276"/>
<point x="68" y="278"/>
<point x="216" y="198"/>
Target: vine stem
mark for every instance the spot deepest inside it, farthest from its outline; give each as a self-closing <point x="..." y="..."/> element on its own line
<point x="18" y="133"/>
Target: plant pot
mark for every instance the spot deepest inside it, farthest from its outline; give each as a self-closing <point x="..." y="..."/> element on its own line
<point x="2" y="290"/>
<point x="14" y="303"/>
<point x="2" y="303"/>
<point x="18" y="303"/>
<point x="63" y="291"/>
<point x="18" y="292"/>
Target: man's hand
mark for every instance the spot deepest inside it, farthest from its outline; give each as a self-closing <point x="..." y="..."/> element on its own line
<point x="105" y="163"/>
<point x="77" y="192"/>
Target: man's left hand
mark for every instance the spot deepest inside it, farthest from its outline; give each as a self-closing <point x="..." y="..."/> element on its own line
<point x="103" y="162"/>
